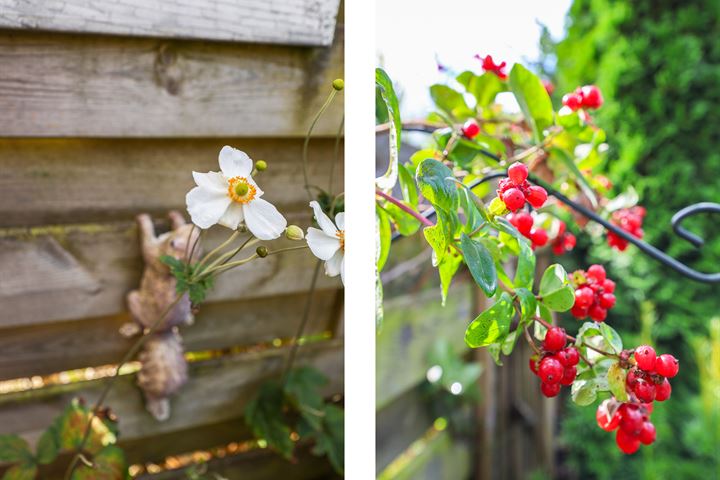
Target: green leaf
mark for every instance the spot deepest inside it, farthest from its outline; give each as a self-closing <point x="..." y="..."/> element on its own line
<point x="303" y="388"/>
<point x="48" y="446"/>
<point x="473" y="216"/>
<point x="384" y="237"/>
<point x="436" y="182"/>
<point x="407" y="185"/>
<point x="525" y="273"/>
<point x="508" y="345"/>
<point x="71" y="427"/>
<point x="14" y="449"/>
<point x="480" y="263"/>
<point x="108" y="464"/>
<point x="616" y="381"/>
<point x="447" y="269"/>
<point x="569" y="162"/>
<point x="23" y="471"/>
<point x="497" y="207"/>
<point x="450" y="101"/>
<point x="264" y="415"/>
<point x="584" y="392"/>
<point x="611" y="337"/>
<point x="561" y="300"/>
<point x="485" y="88"/>
<point x="404" y="223"/>
<point x="494" y="349"/>
<point x="587" y="329"/>
<point x="492" y="324"/>
<point x="435" y="236"/>
<point x="533" y="99"/>
<point x="528" y="303"/>
<point x="556" y="291"/>
<point x="387" y="92"/>
<point x="330" y="441"/>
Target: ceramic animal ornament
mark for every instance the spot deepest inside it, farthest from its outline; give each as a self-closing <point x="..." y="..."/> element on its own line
<point x="164" y="369"/>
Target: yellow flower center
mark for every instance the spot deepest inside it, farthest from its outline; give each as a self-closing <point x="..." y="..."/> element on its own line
<point x="340" y="234"/>
<point x="240" y="190"/>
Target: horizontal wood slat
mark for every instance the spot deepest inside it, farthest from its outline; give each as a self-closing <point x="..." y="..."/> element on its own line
<point x="53" y="181"/>
<point x="216" y="391"/>
<point x="89" y="86"/>
<point x="301" y="22"/>
<point x="412" y="324"/>
<point x="74" y="272"/>
<point x="442" y="457"/>
<point x="56" y="347"/>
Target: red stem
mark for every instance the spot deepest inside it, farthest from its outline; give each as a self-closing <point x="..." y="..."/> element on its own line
<point x="404" y="208"/>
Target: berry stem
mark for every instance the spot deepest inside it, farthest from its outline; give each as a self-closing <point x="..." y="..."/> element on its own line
<point x="530" y="340"/>
<point x="404" y="208"/>
<point x="573" y="339"/>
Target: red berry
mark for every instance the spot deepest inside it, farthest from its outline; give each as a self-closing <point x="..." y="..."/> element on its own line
<point x="536" y="196"/>
<point x="631" y="378"/>
<point x="579" y="311"/>
<point x="513" y="199"/>
<point x="632" y="419"/>
<point x="569" y="375"/>
<point x="523" y="222"/>
<point x="518" y="173"/>
<point x="597" y="273"/>
<point x="644" y="391"/>
<point x="608" y="286"/>
<point x="645" y="358"/>
<point x="534" y="364"/>
<point x="647" y="433"/>
<point x="591" y="97"/>
<point x="666" y="365"/>
<point x="584" y="297"/>
<point x="505" y="184"/>
<point x="550" y="370"/>
<point x="561" y="228"/>
<point x="471" y="129"/>
<point x="569" y="357"/>
<point x="550" y="389"/>
<point x="663" y="390"/>
<point x="569" y="241"/>
<point x="572" y="101"/>
<point x="607" y="300"/>
<point x="604" y="421"/>
<point x="627" y="443"/>
<point x="539" y="237"/>
<point x="597" y="313"/>
<point x="555" y="339"/>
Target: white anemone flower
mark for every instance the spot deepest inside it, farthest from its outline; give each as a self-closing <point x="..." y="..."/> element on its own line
<point x="230" y="196"/>
<point x="329" y="243"/>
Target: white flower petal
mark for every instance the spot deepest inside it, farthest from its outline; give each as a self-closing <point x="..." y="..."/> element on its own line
<point x="258" y="191"/>
<point x="333" y="267"/>
<point x="325" y="223"/>
<point x="342" y="269"/>
<point x="263" y="219"/>
<point x="340" y="220"/>
<point x="235" y="163"/>
<point x="232" y="217"/>
<point x="322" y="245"/>
<point x="211" y="181"/>
<point x="206" y="206"/>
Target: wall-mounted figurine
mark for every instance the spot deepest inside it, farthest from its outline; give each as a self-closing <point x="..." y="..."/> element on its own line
<point x="164" y="369"/>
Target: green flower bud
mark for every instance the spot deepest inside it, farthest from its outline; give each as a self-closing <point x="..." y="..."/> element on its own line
<point x="338" y="84"/>
<point x="293" y="232"/>
<point x="261" y="251"/>
<point x="242" y="228"/>
<point x="261" y="165"/>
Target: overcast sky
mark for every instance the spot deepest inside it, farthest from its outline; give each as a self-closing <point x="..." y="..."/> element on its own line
<point x="410" y="33"/>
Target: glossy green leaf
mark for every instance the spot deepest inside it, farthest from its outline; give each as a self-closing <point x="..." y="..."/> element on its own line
<point x="508" y="345"/>
<point x="584" y="392"/>
<point x="14" y="449"/>
<point x="48" y="446"/>
<point x="497" y="207"/>
<point x="407" y="185"/>
<point x="384" y="237"/>
<point x="528" y="303"/>
<point x="525" y="273"/>
<point x="480" y="263"/>
<point x="616" y="381"/>
<point x="435" y="236"/>
<point x="491" y="325"/>
<point x="450" y="101"/>
<point x="533" y="99"/>
<point x="404" y="223"/>
<point x="612" y="338"/>
<point x="437" y="184"/>
<point x="108" y="464"/>
<point x="447" y="269"/>
<point x="384" y="85"/>
<point x="569" y="163"/>
<point x="554" y="278"/>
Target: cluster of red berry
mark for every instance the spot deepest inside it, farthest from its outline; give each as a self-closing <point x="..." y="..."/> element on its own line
<point x="515" y="189"/>
<point x="523" y="221"/>
<point x="588" y="96"/>
<point x="556" y="366"/>
<point x="564" y="241"/>
<point x="489" y="65"/>
<point x="646" y="382"/>
<point x="630" y="220"/>
<point x="593" y="293"/>
<point x="471" y="128"/>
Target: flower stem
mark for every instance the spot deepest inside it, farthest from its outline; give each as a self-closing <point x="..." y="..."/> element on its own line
<point x="217" y="249"/>
<point x="307" y="140"/>
<point x="337" y="154"/>
<point x="288" y="249"/>
<point x="225" y="257"/>
<point x="404" y="208"/>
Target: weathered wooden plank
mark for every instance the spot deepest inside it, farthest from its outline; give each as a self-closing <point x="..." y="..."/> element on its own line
<point x="413" y="323"/>
<point x="56" y="347"/>
<point x="90" y="86"/>
<point x="291" y="22"/>
<point x="52" y="181"/>
<point x="439" y="456"/>
<point x="399" y="424"/>
<point x="74" y="272"/>
<point x="216" y="391"/>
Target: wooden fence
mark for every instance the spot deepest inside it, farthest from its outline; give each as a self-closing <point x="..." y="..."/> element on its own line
<point x="106" y="109"/>
<point x="511" y="427"/>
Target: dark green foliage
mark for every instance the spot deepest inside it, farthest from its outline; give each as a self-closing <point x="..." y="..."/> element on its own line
<point x="658" y="66"/>
<point x="197" y="288"/>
